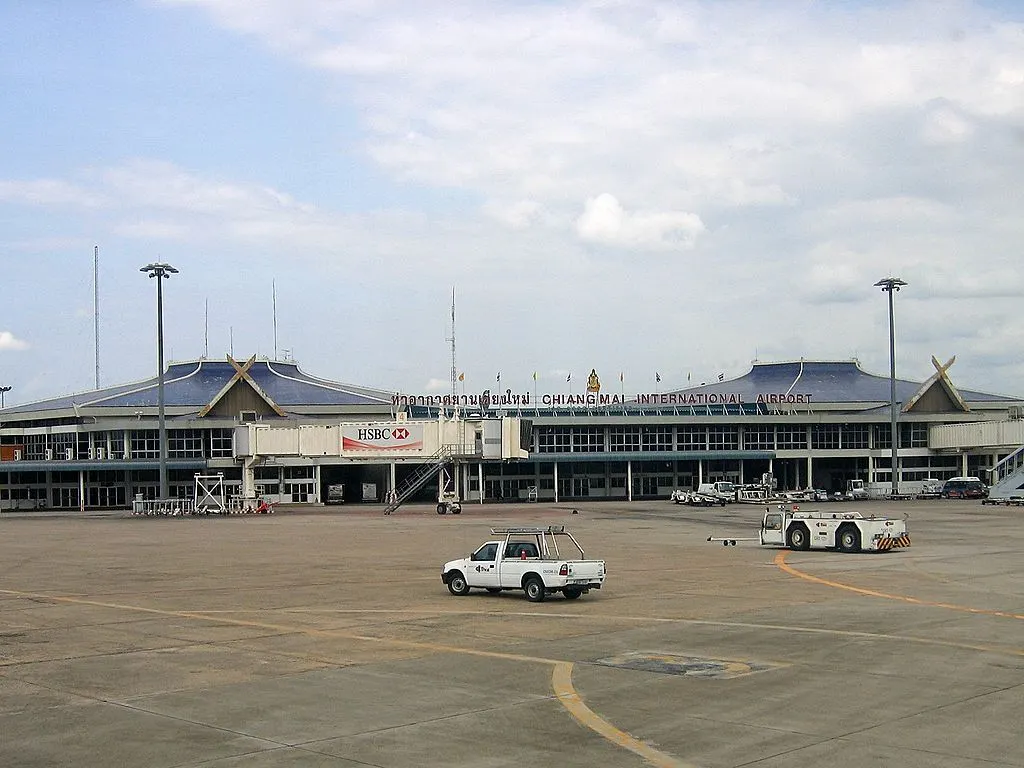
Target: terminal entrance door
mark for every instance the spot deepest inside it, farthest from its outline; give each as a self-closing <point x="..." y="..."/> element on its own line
<point x="581" y="486"/>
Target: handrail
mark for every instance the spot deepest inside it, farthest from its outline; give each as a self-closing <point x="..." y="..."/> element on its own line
<point x="1013" y="460"/>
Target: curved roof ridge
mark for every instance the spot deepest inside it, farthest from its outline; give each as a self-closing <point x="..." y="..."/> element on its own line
<point x="150" y="383"/>
<point x="117" y="390"/>
<point x="334" y="386"/>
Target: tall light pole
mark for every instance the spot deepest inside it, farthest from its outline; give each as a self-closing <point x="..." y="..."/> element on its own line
<point x="161" y="272"/>
<point x="890" y="285"/>
<point x="3" y="391"/>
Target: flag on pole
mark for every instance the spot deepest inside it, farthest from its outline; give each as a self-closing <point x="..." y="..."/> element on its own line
<point x="462" y="376"/>
<point x="620" y="377"/>
<point x="569" y="377"/>
<point x="534" y="375"/>
<point x="657" y="376"/>
<point x="721" y="377"/>
<point x="498" y="377"/>
<point x="687" y="378"/>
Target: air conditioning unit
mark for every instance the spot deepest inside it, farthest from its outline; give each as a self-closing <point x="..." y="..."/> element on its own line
<point x="101" y="453"/>
<point x="49" y="454"/>
<point x="69" y="454"/>
<point x="1015" y="412"/>
<point x="246" y="416"/>
<point x="17" y="454"/>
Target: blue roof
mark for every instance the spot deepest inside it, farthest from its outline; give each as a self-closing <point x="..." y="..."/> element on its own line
<point x="194" y="384"/>
<point x="825" y="382"/>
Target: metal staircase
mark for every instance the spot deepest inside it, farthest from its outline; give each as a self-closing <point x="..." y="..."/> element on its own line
<point x="1008" y="476"/>
<point x="425" y="472"/>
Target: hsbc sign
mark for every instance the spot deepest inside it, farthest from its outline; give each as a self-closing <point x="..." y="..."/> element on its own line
<point x="386" y="437"/>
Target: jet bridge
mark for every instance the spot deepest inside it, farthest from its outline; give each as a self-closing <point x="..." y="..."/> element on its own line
<point x="412" y="441"/>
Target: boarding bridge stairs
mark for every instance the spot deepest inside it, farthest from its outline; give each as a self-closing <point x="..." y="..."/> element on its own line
<point x="445" y="455"/>
<point x="1008" y="477"/>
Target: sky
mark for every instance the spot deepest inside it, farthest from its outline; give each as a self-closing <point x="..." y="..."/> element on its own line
<point x="644" y="188"/>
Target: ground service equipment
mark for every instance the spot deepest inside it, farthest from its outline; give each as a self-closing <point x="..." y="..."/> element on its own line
<point x="845" y="531"/>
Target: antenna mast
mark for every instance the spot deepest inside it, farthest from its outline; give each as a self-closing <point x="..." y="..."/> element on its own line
<point x="455" y="373"/>
<point x="96" y="307"/>
<point x="206" y="331"/>
<point x="274" y="285"/>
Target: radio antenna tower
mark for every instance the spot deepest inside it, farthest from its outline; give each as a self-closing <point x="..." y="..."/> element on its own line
<point x="274" y="289"/>
<point x="96" y="307"/>
<point x="455" y="374"/>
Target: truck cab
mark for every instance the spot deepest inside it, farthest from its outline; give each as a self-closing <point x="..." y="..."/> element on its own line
<point x="526" y="559"/>
<point x="856" y="490"/>
<point x="721" y="490"/>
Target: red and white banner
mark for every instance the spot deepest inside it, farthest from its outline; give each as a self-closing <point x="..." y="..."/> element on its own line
<point x="397" y="437"/>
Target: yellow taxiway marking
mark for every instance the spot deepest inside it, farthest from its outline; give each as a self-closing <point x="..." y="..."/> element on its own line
<point x="561" y="681"/>
<point x="780" y="560"/>
<point x="561" y="678"/>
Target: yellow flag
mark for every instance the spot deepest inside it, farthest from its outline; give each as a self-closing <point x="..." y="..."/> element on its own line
<point x="534" y="375"/>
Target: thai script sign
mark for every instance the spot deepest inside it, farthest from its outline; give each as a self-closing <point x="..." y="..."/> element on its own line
<point x="508" y="399"/>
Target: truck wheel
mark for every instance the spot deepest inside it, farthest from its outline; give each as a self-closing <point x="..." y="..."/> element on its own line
<point x="571" y="593"/>
<point x="457" y="584"/>
<point x="441" y="509"/>
<point x="799" y="538"/>
<point x="849" y="539"/>
<point x="535" y="591"/>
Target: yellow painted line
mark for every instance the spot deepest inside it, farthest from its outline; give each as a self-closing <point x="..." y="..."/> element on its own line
<point x="780" y="561"/>
<point x="561" y="681"/>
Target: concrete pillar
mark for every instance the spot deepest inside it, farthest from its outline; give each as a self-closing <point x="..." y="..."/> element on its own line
<point x="249" y="478"/>
<point x="316" y="484"/>
<point x="629" y="480"/>
<point x="810" y="472"/>
<point x="556" y="482"/>
<point x="480" y="480"/>
<point x="963" y="464"/>
<point x="81" y="490"/>
<point x="700" y="472"/>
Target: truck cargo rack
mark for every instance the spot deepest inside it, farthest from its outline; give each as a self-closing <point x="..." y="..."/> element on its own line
<point x="542" y="534"/>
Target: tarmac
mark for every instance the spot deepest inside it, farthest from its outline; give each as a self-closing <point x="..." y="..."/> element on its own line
<point x="324" y="637"/>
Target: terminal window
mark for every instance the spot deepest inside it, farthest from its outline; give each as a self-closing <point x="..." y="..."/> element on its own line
<point x="759" y="438"/>
<point x="791" y="437"/>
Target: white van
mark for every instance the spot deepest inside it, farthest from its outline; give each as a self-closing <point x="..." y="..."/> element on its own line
<point x="721" y="489"/>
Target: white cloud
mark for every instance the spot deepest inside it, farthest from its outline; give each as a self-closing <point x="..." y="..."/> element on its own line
<point x="517" y="215"/>
<point x="606" y="222"/>
<point x="49" y="192"/>
<point x="10" y="343"/>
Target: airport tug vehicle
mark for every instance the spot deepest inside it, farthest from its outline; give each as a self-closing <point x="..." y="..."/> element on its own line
<point x="810" y="529"/>
<point x="526" y="559"/>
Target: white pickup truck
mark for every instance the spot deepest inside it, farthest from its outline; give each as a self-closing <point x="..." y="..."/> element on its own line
<point x="526" y="559"/>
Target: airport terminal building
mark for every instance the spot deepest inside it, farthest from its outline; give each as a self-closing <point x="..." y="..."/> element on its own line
<point x="810" y="423"/>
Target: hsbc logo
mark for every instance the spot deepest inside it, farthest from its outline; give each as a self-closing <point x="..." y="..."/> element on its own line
<point x="383" y="433"/>
<point x="383" y="438"/>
